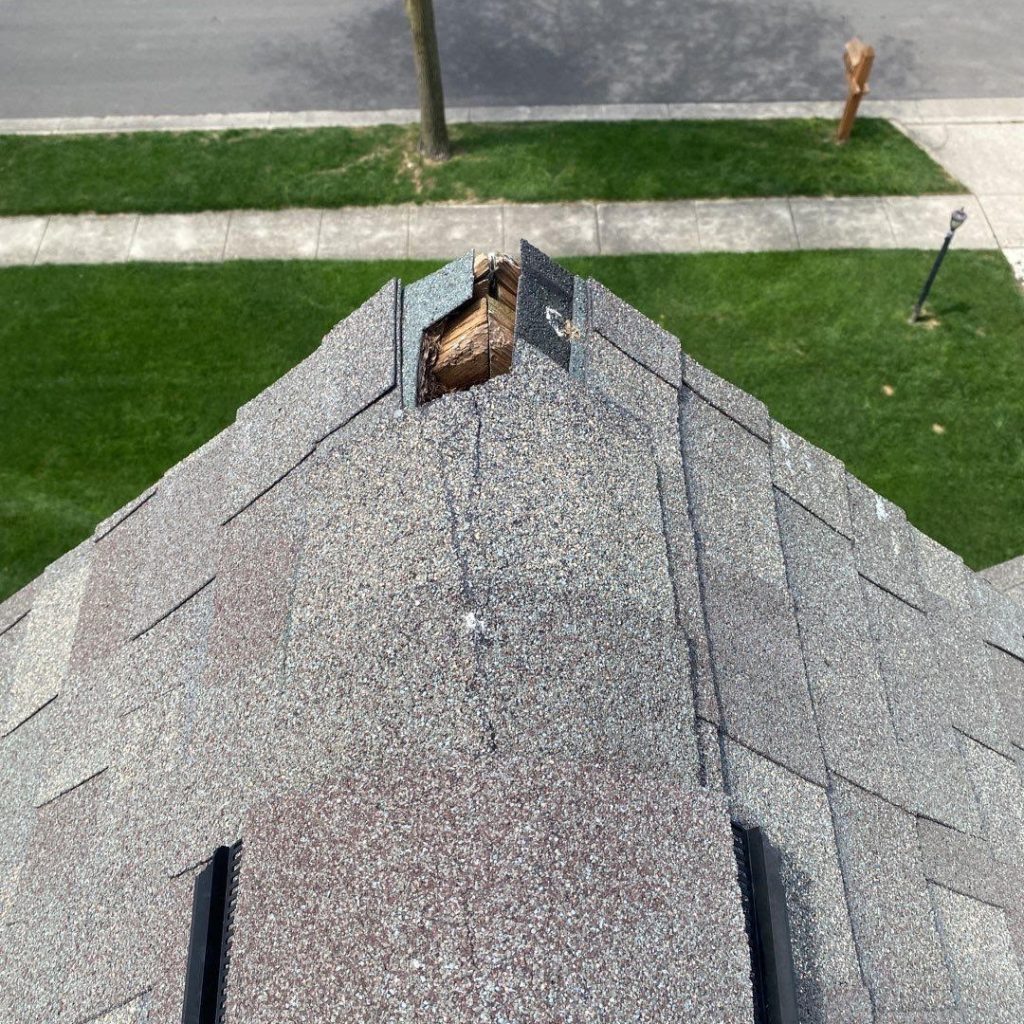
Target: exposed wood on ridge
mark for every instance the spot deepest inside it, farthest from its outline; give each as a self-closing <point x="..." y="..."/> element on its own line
<point x="474" y="343"/>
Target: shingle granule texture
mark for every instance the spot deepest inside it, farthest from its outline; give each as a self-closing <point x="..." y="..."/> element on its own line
<point x="519" y="891"/>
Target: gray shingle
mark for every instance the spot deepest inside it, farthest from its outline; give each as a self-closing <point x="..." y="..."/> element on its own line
<point x="950" y="1016"/>
<point x="811" y="477"/>
<point x="240" y="694"/>
<point x="11" y="641"/>
<point x="889" y="907"/>
<point x="962" y="663"/>
<point x="46" y="645"/>
<point x="960" y="862"/>
<point x="22" y="764"/>
<point x="98" y="912"/>
<point x="794" y="815"/>
<point x="381" y="654"/>
<point x="945" y="580"/>
<point x="849" y="699"/>
<point x="636" y="335"/>
<point x="1000" y="618"/>
<point x="562" y="532"/>
<point x="354" y="366"/>
<point x="55" y="907"/>
<point x="93" y="690"/>
<point x="752" y="627"/>
<point x="424" y="302"/>
<point x="1000" y="793"/>
<point x="115" y="519"/>
<point x="15" y="607"/>
<point x="746" y="410"/>
<point x="986" y="975"/>
<point x="631" y="387"/>
<point x="182" y="529"/>
<point x="554" y="892"/>
<point x="883" y="544"/>
<point x="921" y="697"/>
<point x="167" y="656"/>
<point x="1007" y="676"/>
<point x="958" y="650"/>
<point x="545" y="304"/>
<point x="1006" y="576"/>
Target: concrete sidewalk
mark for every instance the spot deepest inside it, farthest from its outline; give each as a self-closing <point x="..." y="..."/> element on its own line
<point x="444" y="231"/>
<point x="989" y="159"/>
<point x="936" y="111"/>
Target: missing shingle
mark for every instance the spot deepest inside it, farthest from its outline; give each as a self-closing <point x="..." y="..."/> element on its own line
<point x="473" y="343"/>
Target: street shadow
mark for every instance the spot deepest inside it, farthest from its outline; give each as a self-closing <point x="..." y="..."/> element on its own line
<point x="573" y="51"/>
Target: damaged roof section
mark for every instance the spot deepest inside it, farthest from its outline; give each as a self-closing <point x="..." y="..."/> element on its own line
<point x="537" y="641"/>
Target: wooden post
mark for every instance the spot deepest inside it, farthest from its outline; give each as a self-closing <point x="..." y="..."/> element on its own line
<point x="858" y="59"/>
<point x="433" y="129"/>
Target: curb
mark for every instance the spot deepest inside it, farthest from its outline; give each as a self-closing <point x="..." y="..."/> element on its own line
<point x="983" y="110"/>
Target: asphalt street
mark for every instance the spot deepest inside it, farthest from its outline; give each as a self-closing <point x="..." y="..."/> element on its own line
<point x="71" y="58"/>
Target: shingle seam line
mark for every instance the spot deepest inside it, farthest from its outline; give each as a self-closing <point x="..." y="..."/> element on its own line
<point x="801" y="637"/>
<point x="10" y="625"/>
<point x="940" y="932"/>
<point x="190" y="867"/>
<point x="117" y="1006"/>
<point x="291" y="469"/>
<point x="266" y="490"/>
<point x="921" y="816"/>
<point x="829" y="772"/>
<point x="889" y="590"/>
<point x="167" y="614"/>
<point x="699" y="552"/>
<point x="97" y="537"/>
<point x="999" y="647"/>
<point x="896" y="806"/>
<point x="982" y="743"/>
<point x="725" y="412"/>
<point x="962" y="891"/>
<point x="28" y="718"/>
<point x="841" y="862"/>
<point x="810" y="511"/>
<point x="629" y="355"/>
<point x="152" y="698"/>
<point x="746" y="745"/>
<point x="359" y="412"/>
<point x="71" y="789"/>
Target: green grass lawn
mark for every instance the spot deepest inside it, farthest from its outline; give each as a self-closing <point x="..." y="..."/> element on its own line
<point x="165" y="172"/>
<point x="108" y="375"/>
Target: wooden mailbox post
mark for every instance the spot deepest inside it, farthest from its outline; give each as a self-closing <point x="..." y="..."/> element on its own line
<point x="858" y="59"/>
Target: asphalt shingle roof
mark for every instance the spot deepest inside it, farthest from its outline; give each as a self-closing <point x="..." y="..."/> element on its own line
<point x="479" y="685"/>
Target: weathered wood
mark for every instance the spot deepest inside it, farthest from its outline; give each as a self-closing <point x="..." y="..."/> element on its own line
<point x="434" y="141"/>
<point x="858" y="59"/>
<point x="474" y="343"/>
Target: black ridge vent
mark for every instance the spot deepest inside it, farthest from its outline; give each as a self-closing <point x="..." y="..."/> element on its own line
<point x="764" y="909"/>
<point x="209" y="946"/>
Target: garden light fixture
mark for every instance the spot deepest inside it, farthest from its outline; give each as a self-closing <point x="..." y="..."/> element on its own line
<point x="956" y="219"/>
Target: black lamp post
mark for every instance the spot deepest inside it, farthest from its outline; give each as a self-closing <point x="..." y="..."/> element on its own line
<point x="956" y="219"/>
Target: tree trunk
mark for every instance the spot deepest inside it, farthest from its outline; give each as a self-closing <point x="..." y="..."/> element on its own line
<point x="433" y="130"/>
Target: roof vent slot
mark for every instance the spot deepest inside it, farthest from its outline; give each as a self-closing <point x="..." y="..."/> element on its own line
<point x="473" y="343"/>
<point x="764" y="908"/>
<point x="213" y="905"/>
